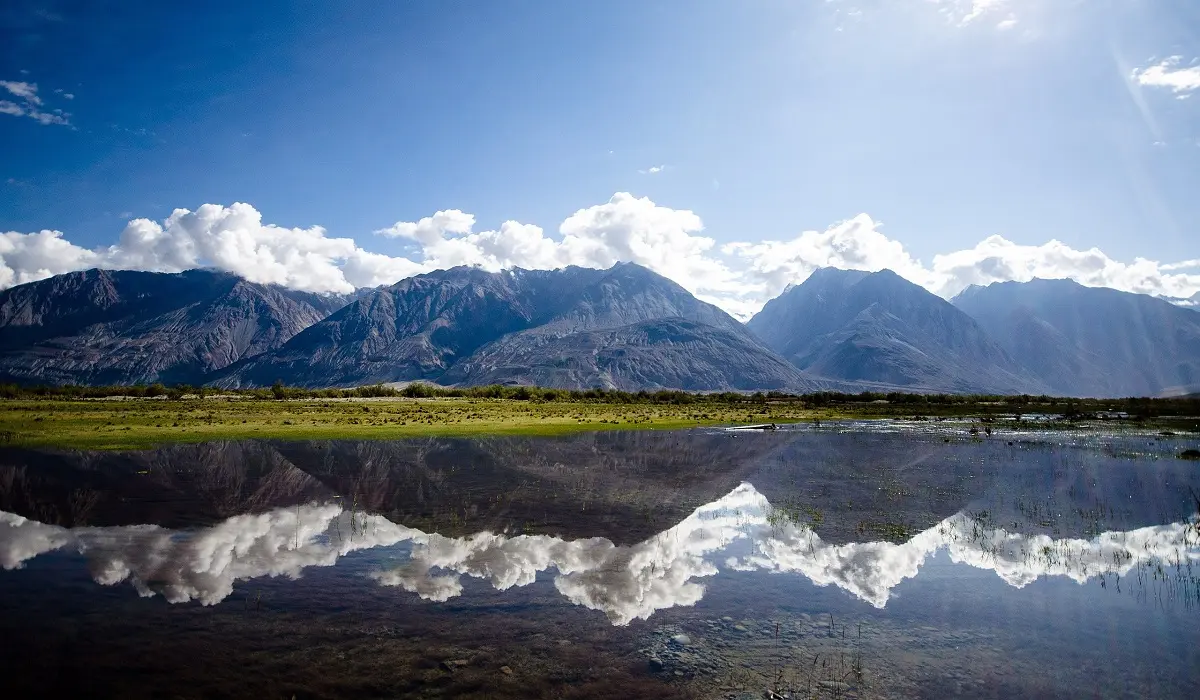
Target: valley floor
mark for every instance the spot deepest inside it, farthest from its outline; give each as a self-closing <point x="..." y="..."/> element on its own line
<point x="142" y="422"/>
<point x="134" y="423"/>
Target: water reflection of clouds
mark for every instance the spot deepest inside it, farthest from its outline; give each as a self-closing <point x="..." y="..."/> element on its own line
<point x="22" y="539"/>
<point x="740" y="531"/>
<point x="204" y="564"/>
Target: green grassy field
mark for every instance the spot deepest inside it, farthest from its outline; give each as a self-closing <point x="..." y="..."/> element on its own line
<point x="135" y="423"/>
<point x="125" y="423"/>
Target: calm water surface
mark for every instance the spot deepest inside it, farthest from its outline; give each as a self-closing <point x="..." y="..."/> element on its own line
<point x="849" y="561"/>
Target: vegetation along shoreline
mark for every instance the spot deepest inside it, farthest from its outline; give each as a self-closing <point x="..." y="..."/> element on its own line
<point x="131" y="417"/>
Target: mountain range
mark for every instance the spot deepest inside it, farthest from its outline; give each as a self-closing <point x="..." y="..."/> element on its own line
<point x="1091" y="341"/>
<point x="622" y="328"/>
<point x="880" y="328"/>
<point x="123" y="327"/>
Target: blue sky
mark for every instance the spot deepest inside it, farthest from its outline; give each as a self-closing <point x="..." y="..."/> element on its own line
<point x="944" y="122"/>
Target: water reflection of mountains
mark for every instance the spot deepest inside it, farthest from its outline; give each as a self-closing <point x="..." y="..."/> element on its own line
<point x="626" y="523"/>
<point x="740" y="531"/>
<point x="623" y="486"/>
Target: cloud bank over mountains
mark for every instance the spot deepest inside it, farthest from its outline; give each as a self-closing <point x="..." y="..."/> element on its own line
<point x="740" y="531"/>
<point x="738" y="276"/>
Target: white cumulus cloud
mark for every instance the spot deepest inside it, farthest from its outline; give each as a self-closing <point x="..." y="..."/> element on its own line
<point x="1170" y="75"/>
<point x="632" y="229"/>
<point x="27" y="257"/>
<point x="232" y="238"/>
<point x="858" y="243"/>
<point x="235" y="239"/>
<point x="623" y="229"/>
<point x="738" y="276"/>
<point x="855" y="244"/>
<point x="741" y="276"/>
<point x="431" y="228"/>
<point x="996" y="259"/>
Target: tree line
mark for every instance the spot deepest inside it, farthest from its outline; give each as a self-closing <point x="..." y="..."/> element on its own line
<point x="420" y="390"/>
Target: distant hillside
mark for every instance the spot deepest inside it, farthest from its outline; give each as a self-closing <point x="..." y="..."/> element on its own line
<point x="1089" y="340"/>
<point x="123" y="327"/>
<point x="625" y="327"/>
<point x="878" y="327"/>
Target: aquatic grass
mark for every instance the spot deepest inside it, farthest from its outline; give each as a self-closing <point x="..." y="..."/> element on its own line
<point x="1162" y="581"/>
<point x="818" y="660"/>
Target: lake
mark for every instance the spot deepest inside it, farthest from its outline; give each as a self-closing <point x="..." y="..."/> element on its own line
<point x="854" y="560"/>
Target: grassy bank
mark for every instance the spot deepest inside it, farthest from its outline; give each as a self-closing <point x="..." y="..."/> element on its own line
<point x="134" y="423"/>
<point x="120" y="421"/>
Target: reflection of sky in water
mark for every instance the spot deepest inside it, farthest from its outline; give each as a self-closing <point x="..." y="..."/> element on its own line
<point x="735" y="534"/>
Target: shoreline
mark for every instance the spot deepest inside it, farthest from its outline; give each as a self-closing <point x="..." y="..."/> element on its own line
<point x="140" y="423"/>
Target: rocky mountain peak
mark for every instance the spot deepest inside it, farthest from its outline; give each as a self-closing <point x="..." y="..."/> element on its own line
<point x="117" y="326"/>
<point x="878" y="327"/>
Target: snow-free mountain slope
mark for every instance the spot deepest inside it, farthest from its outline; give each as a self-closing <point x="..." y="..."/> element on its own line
<point x="1091" y="341"/>
<point x="878" y="327"/>
<point x="624" y="327"/>
<point x="125" y="327"/>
